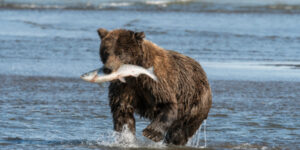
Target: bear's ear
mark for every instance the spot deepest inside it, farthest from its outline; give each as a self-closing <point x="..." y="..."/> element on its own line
<point x="102" y="32"/>
<point x="139" y="36"/>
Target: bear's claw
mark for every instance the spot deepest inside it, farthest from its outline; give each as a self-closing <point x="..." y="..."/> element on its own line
<point x="152" y="134"/>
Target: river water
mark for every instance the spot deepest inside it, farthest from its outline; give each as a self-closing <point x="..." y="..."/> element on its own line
<point x="250" y="51"/>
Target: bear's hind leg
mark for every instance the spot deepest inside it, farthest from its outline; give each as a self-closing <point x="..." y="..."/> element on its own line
<point x="180" y="131"/>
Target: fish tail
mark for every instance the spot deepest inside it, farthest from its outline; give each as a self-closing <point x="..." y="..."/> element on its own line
<point x="151" y="71"/>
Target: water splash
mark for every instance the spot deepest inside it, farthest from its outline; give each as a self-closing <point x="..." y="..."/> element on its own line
<point x="196" y="140"/>
<point x="126" y="139"/>
<point x="118" y="139"/>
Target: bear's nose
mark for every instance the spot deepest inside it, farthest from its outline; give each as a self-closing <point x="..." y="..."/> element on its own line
<point x="107" y="70"/>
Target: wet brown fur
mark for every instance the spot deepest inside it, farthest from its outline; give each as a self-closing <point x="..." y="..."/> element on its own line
<point x="176" y="105"/>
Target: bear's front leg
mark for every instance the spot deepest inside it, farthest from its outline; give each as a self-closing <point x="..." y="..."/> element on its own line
<point x="158" y="127"/>
<point x="120" y="99"/>
<point x="123" y="115"/>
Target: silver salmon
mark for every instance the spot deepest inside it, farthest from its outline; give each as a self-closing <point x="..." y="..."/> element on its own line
<point x="126" y="70"/>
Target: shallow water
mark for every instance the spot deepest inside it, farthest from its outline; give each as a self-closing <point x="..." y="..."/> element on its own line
<point x="41" y="112"/>
<point x="250" y="51"/>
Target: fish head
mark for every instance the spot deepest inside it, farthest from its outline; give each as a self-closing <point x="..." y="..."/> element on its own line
<point x="89" y="76"/>
<point x="120" y="47"/>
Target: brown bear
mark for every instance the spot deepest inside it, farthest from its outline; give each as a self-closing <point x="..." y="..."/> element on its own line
<point x="176" y="105"/>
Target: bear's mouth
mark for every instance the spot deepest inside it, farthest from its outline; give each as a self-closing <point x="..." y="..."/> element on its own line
<point x="106" y="70"/>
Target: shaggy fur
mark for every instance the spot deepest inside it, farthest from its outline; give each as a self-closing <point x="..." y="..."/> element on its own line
<point x="176" y="105"/>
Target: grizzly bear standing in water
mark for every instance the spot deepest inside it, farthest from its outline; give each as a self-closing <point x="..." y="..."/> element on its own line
<point x="176" y="105"/>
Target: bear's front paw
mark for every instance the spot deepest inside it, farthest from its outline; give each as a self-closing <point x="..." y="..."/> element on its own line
<point x="153" y="134"/>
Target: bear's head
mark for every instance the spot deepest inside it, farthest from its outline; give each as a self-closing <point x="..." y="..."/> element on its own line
<point x="120" y="47"/>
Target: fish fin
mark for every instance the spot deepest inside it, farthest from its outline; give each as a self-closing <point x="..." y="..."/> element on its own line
<point x="153" y="76"/>
<point x="122" y="79"/>
<point x="93" y="80"/>
<point x="151" y="70"/>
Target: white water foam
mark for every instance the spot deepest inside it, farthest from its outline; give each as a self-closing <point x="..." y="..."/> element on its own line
<point x="115" y="4"/>
<point x="164" y="3"/>
<point x="126" y="139"/>
<point x="196" y="140"/>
